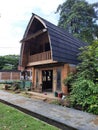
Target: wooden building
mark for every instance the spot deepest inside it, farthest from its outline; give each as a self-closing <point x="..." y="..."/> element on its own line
<point x="49" y="52"/>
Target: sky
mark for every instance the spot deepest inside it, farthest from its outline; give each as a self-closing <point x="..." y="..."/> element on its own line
<point x="15" y="15"/>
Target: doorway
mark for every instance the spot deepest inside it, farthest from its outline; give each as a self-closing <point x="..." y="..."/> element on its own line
<point x="47" y="80"/>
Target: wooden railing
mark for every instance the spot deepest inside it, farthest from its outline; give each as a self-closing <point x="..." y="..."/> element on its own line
<point x="40" y="56"/>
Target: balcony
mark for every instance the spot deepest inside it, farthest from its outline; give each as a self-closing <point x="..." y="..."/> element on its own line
<point x="40" y="57"/>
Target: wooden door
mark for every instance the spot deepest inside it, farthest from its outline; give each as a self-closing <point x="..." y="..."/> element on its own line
<point x="47" y="80"/>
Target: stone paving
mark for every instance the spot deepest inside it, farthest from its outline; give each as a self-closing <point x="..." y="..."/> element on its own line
<point x="70" y="117"/>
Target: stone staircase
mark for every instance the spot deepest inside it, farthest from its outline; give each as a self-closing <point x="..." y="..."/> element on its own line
<point x="42" y="96"/>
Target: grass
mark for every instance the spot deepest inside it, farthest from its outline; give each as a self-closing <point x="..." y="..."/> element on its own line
<point x="1" y="86"/>
<point x="13" y="119"/>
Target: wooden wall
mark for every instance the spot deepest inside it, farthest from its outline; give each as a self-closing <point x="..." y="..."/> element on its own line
<point x="10" y="75"/>
<point x="65" y="70"/>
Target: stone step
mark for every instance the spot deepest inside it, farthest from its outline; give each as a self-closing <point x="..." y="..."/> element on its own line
<point x="43" y="96"/>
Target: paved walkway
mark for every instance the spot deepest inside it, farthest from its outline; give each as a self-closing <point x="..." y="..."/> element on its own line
<point x="70" y="117"/>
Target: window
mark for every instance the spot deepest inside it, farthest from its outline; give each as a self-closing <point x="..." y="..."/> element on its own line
<point x="58" y="78"/>
<point x="37" y="78"/>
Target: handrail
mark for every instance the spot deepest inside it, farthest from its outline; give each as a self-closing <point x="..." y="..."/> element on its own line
<point x="40" y="56"/>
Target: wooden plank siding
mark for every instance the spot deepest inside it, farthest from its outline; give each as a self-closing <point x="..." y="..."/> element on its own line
<point x="40" y="56"/>
<point x="10" y="75"/>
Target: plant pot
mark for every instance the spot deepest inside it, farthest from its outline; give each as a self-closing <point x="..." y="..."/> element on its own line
<point x="55" y="94"/>
<point x="60" y="95"/>
<point x="65" y="90"/>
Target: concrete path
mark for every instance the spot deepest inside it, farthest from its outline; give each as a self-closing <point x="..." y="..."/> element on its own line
<point x="70" y="117"/>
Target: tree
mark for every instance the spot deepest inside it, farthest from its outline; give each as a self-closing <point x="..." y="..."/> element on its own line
<point x="2" y="62"/>
<point x="9" y="62"/>
<point x="85" y="84"/>
<point x="79" y="18"/>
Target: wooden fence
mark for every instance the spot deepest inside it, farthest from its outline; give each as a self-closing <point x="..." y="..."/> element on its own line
<point x="10" y="75"/>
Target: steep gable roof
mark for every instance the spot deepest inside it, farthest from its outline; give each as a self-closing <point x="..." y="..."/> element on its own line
<point x="64" y="47"/>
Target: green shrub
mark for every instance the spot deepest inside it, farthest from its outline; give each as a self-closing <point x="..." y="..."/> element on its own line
<point x="85" y="94"/>
<point x="84" y="86"/>
<point x="68" y="81"/>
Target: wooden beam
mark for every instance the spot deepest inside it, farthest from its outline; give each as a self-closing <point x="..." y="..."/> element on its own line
<point x="34" y="35"/>
<point x="41" y="62"/>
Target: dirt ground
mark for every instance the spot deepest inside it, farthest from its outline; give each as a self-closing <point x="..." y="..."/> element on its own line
<point x="96" y="121"/>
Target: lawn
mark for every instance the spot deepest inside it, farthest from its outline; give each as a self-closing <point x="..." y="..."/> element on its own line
<point x="13" y="119"/>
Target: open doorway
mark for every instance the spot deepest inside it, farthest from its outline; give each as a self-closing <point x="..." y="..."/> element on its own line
<point x="47" y="80"/>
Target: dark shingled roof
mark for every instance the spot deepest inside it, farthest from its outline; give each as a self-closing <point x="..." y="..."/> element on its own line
<point x="64" y="47"/>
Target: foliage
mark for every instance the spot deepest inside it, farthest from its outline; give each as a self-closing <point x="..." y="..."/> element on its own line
<point x="85" y="85"/>
<point x="2" y="62"/>
<point x="79" y="18"/>
<point x="68" y="81"/>
<point x="12" y="119"/>
<point x="85" y="95"/>
<point x="9" y="62"/>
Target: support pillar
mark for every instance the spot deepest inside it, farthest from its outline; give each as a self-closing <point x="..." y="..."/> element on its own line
<point x="54" y="79"/>
<point x="66" y="70"/>
<point x="33" y="77"/>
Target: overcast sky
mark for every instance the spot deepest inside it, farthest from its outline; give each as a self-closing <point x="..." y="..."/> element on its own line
<point x="15" y="15"/>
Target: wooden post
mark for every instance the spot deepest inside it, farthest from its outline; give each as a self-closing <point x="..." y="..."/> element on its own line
<point x="65" y="72"/>
<point x="11" y="76"/>
<point x="40" y="76"/>
<point x="33" y="77"/>
<point x="0" y="75"/>
<point x="54" y="79"/>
